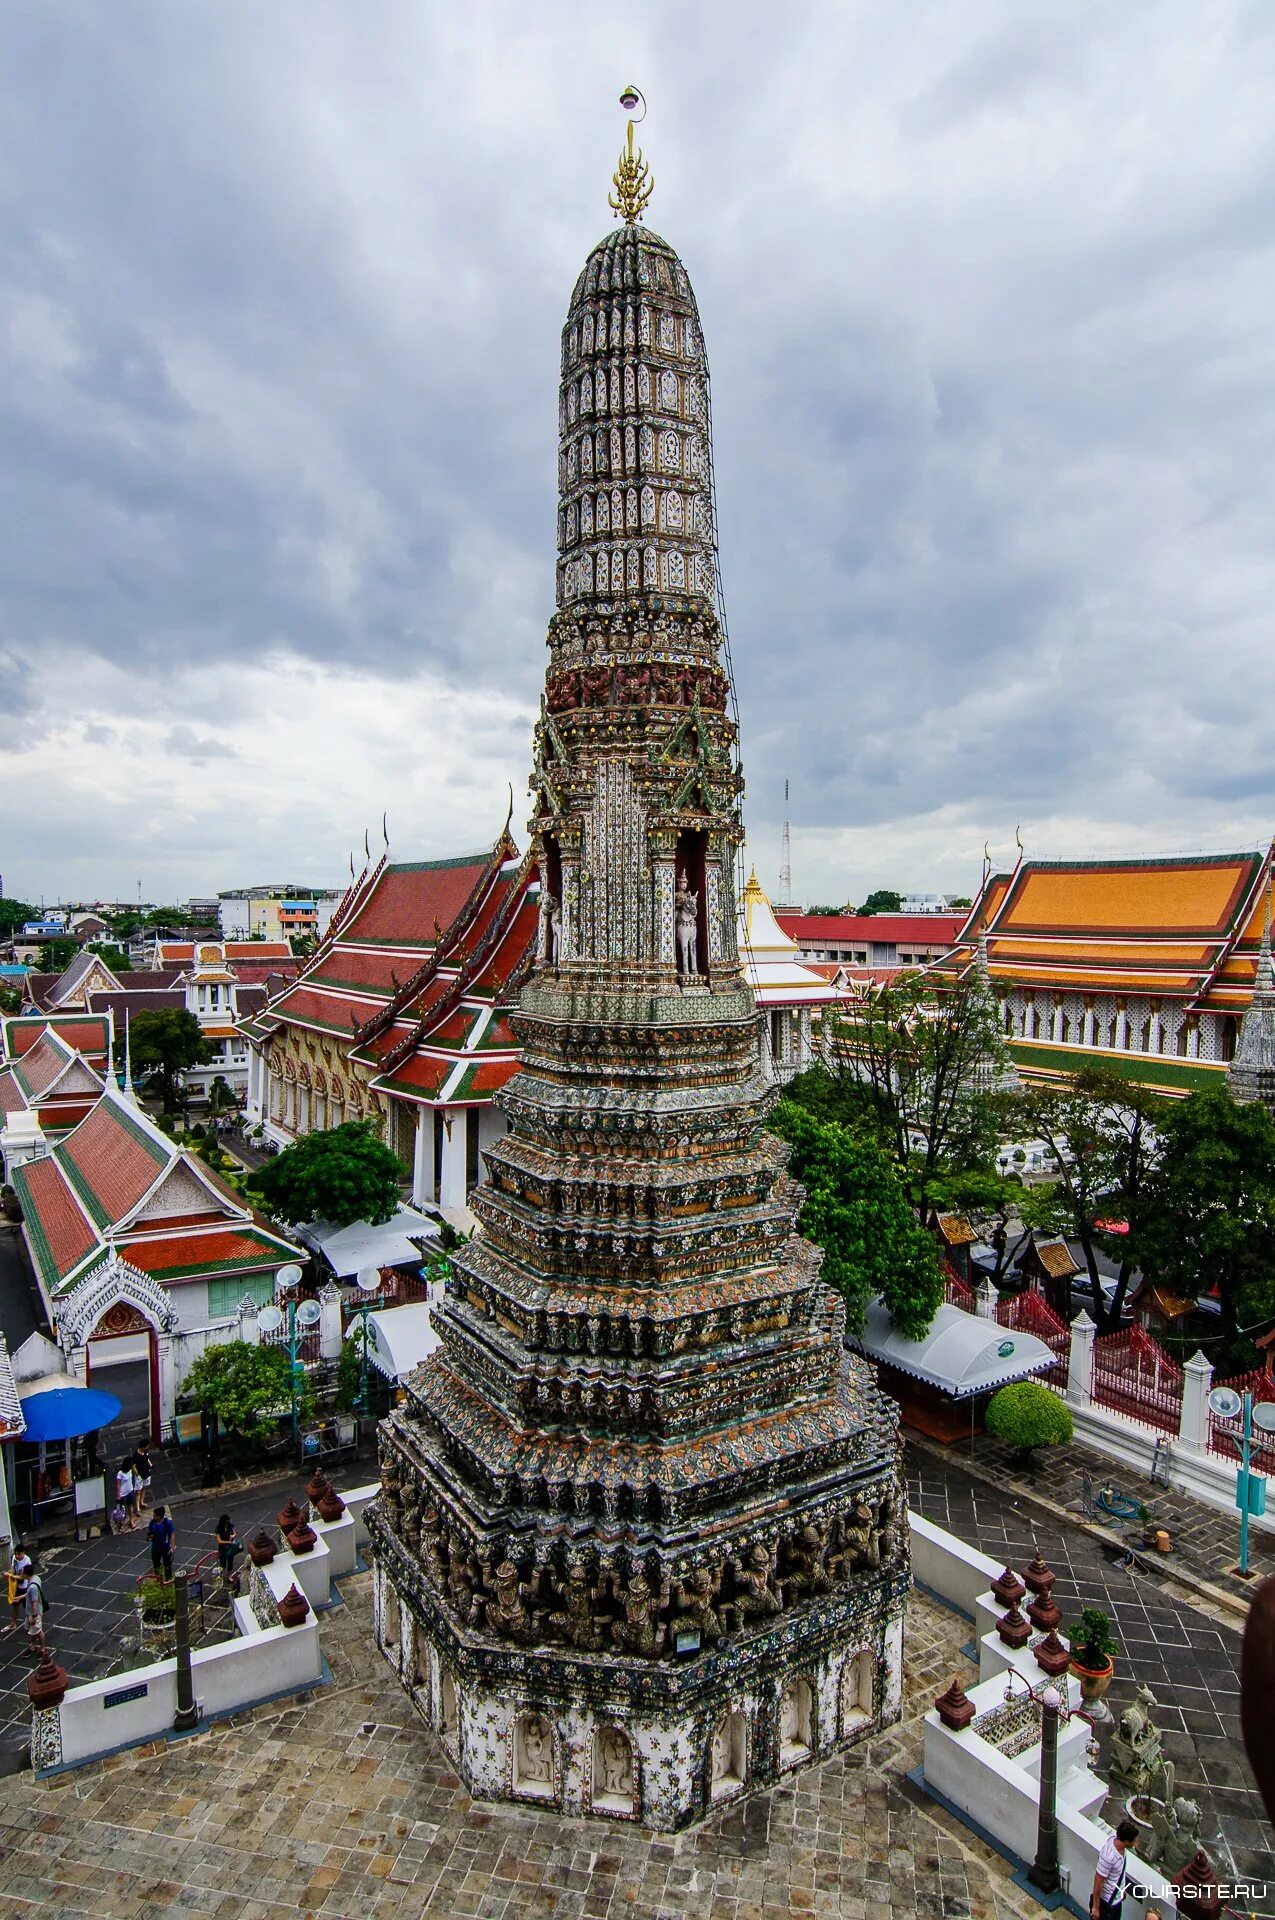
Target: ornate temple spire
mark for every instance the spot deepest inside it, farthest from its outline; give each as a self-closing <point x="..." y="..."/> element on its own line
<point x="1251" y="1075"/>
<point x="633" y="180"/>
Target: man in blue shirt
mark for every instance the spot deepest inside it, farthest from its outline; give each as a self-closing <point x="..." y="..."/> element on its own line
<point x="160" y="1535"/>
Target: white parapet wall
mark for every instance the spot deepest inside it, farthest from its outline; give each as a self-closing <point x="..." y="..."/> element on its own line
<point x="946" y="1566"/>
<point x="994" y="1782"/>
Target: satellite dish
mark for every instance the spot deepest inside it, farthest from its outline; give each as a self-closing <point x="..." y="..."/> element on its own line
<point x="289" y="1276"/>
<point x="1225" y="1403"/>
<point x="1264" y="1416"/>
<point x="369" y="1279"/>
<point x="308" y="1313"/>
<point x="270" y="1319"/>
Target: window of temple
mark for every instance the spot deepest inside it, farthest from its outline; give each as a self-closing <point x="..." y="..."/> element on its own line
<point x="668" y="333"/>
<point x="728" y="1757"/>
<point x="857" y="1677"/>
<point x="1226" y="1038"/>
<point x="796" y="1723"/>
<point x="613" y="1771"/>
<point x="533" y="1756"/>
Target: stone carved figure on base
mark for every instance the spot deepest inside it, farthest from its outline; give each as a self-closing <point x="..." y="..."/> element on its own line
<point x="756" y="1595"/>
<point x="640" y="1630"/>
<point x="551" y="912"/>
<point x="1175" y="1828"/>
<point x="686" y="906"/>
<point x="615" y="1765"/>
<point x="695" y="1599"/>
<point x="575" y="1619"/>
<point x="1134" y="1756"/>
<point x="533" y="1752"/>
<point x="504" y="1608"/>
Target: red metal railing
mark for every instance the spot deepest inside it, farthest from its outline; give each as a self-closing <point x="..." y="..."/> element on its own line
<point x="1028" y="1313"/>
<point x="1226" y="1436"/>
<point x="955" y="1291"/>
<point x="1133" y="1375"/>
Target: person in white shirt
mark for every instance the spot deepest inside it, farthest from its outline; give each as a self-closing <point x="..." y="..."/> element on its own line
<point x="1111" y="1880"/>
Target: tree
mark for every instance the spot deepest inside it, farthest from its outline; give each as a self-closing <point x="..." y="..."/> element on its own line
<point x="992" y="1203"/>
<point x="342" y="1175"/>
<point x="1101" y="1133"/>
<point x="10" y="998"/>
<point x="883" y="900"/>
<point x="247" y="1388"/>
<point x="857" y="1211"/>
<point x="166" y="1040"/>
<point x="959" y="902"/>
<point x="15" y="914"/>
<point x="925" y="1058"/>
<point x="1206" y="1212"/>
<point x="56" y="955"/>
<point x="1026" y="1416"/>
<point x="221" y="1097"/>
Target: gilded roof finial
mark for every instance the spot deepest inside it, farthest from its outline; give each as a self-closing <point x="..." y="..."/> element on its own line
<point x="633" y="180"/>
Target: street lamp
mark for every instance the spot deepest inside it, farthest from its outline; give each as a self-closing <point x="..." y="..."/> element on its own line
<point x="369" y="1283"/>
<point x="306" y="1315"/>
<point x="1250" y="1487"/>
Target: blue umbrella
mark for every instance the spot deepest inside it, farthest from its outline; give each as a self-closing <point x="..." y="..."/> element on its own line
<point x="64" y="1413"/>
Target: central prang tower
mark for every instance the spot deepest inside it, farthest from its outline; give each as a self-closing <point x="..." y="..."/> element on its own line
<point x="641" y="1542"/>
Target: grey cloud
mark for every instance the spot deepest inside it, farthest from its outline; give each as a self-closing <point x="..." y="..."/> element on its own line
<point x="198" y="747"/>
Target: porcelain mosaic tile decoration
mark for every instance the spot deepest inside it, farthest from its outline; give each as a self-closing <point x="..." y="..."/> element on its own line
<point x="641" y="1543"/>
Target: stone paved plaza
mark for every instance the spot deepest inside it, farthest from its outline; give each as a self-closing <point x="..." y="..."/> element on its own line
<point x="346" y="1806"/>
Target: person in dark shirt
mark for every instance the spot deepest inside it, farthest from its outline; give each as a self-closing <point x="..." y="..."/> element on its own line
<point x="160" y="1534"/>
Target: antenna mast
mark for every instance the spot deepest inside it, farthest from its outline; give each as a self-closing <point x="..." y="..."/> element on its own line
<point x="785" y="859"/>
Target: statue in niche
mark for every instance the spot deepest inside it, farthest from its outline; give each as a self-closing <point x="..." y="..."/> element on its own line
<point x="534" y="1751"/>
<point x="575" y="1620"/>
<point x="504" y="1606"/>
<point x="640" y="1630"/>
<point x="792" y="1732"/>
<point x="615" y="1764"/>
<point x="723" y="1759"/>
<point x="686" y="909"/>
<point x="695" y="1599"/>
<point x="756" y="1595"/>
<point x="596" y="682"/>
<point x="551" y="913"/>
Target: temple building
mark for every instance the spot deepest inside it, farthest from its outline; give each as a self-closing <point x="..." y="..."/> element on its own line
<point x="641" y="1542"/>
<point x="53" y="1070"/>
<point x="1146" y="966"/>
<point x="143" y="1256"/>
<point x="791" y="995"/>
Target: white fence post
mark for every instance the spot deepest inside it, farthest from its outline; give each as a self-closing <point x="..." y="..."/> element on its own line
<point x="985" y="1299"/>
<point x="1080" y="1360"/>
<point x="1193" y="1421"/>
<point x="249" y="1325"/>
<point x="330" y="1323"/>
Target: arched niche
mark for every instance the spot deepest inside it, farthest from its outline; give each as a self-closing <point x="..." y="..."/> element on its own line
<point x="796" y="1722"/>
<point x="534" y="1773"/>
<point x="728" y="1756"/>
<point x="858" y="1685"/>
<point x="614" y="1771"/>
<point x="448" y="1707"/>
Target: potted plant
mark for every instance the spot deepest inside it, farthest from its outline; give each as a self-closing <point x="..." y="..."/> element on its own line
<point x="1147" y="1521"/>
<point x="1093" y="1653"/>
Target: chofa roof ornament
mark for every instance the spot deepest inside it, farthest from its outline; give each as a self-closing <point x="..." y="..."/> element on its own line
<point x="633" y="180"/>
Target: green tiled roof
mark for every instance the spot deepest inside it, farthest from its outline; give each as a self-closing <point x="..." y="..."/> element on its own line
<point x="1168" y="1076"/>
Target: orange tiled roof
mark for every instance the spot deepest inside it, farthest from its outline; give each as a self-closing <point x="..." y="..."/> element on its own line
<point x="1183" y="897"/>
<point x="87" y="1033"/>
<point x="112" y="1161"/>
<point x="406" y="901"/>
<point x="56" y="1226"/>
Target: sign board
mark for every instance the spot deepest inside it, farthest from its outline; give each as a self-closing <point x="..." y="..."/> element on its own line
<point x="125" y="1694"/>
<point x="90" y="1495"/>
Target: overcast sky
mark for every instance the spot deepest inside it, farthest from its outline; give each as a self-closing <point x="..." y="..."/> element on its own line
<point x="988" y="294"/>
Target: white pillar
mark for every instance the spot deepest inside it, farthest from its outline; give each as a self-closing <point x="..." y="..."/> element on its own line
<point x="452" y="1185"/>
<point x="1193" y="1421"/>
<point x="1080" y="1360"/>
<point x="249" y="1325"/>
<point x="1055" y="1031"/>
<point x="1155" y="1041"/>
<point x="167" y="1385"/>
<point x="423" y="1158"/>
<point x="985" y="1299"/>
<point x="330" y="1328"/>
<point x="1088" y="1033"/>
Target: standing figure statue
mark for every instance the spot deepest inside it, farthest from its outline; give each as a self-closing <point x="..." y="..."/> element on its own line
<point x="686" y="904"/>
<point x="551" y="909"/>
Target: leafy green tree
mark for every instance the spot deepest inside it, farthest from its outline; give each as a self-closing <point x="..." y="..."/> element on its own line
<point x="992" y="1203"/>
<point x="15" y="914"/>
<point x="857" y="1211"/>
<point x="56" y="955"/>
<point x="1028" y="1415"/>
<point x="221" y="1098"/>
<point x="925" y="1059"/>
<point x="10" y="998"/>
<point x="1206" y="1212"/>
<point x="165" y="1041"/>
<point x="959" y="902"/>
<point x="882" y="900"/>
<point x="1101" y="1132"/>
<point x="246" y="1387"/>
<point x="342" y="1175"/>
<point x="114" y="956"/>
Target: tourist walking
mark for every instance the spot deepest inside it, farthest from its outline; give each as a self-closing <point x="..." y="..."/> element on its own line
<point x="141" y="1465"/>
<point x="227" y="1538"/>
<point x="160" y="1535"/>
<point x="126" y="1495"/>
<point x="20" y="1570"/>
<point x="34" y="1610"/>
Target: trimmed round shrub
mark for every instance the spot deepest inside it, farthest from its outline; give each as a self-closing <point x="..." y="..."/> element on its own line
<point x="1027" y="1416"/>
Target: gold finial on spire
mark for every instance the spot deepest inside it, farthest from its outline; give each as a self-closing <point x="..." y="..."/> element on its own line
<point x="633" y="180"/>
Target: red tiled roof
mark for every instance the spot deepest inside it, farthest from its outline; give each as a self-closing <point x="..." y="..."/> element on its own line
<point x="182" y="952"/>
<point x="896" y="929"/>
<point x="193" y="1253"/>
<point x="86" y="1032"/>
<point x="12" y="1099"/>
<point x="485" y="1077"/>
<point x="407" y="900"/>
<point x="343" y="967"/>
<point x="41" y="1065"/>
<point x="59" y="1234"/>
<point x="259" y="973"/>
<point x="421" y="1074"/>
<point x="330" y="1010"/>
<point x="115" y="1160"/>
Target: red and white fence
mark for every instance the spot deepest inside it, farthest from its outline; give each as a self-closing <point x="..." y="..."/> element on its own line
<point x="1133" y="1375"/>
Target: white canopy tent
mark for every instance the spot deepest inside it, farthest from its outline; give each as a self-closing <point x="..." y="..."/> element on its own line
<point x="399" y="1338"/>
<point x="962" y="1354"/>
<point x="346" y="1249"/>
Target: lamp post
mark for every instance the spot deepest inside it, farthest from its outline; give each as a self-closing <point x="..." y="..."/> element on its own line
<point x="1250" y="1488"/>
<point x="369" y="1283"/>
<point x="1043" y="1871"/>
<point x="187" y="1714"/>
<point x="271" y="1319"/>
